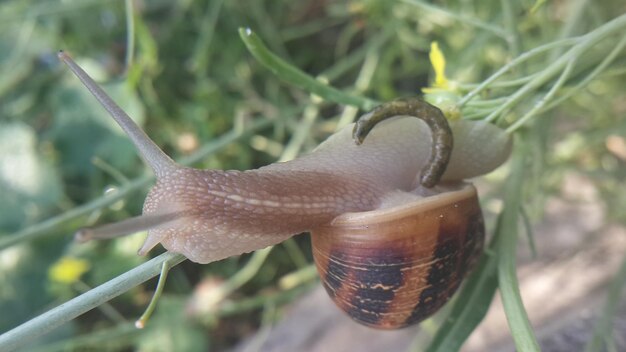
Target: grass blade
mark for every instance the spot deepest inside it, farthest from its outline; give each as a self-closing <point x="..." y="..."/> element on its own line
<point x="297" y="77"/>
<point x="603" y="330"/>
<point x="30" y="330"/>
<point x="517" y="318"/>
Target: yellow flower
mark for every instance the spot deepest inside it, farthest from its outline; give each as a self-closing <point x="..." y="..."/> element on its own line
<point x="442" y="93"/>
<point x="68" y="270"/>
<point x="438" y="61"/>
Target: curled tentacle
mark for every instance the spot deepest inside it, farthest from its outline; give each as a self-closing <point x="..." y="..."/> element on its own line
<point x="442" y="140"/>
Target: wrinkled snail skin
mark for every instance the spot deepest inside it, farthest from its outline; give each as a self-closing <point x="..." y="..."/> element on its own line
<point x="394" y="226"/>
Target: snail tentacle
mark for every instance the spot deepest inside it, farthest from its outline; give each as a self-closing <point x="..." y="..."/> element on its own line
<point x="160" y="162"/>
<point x="442" y="140"/>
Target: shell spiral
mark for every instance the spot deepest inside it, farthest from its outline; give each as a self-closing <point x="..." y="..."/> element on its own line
<point x="394" y="267"/>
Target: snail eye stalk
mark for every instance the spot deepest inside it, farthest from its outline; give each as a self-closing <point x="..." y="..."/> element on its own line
<point x="442" y="140"/>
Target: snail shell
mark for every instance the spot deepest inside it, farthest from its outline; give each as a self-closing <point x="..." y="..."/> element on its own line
<point x="394" y="267"/>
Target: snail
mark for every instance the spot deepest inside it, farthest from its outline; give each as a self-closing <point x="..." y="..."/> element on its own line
<point x="394" y="226"/>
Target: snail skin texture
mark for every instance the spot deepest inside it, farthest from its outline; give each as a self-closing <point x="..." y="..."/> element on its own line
<point x="393" y="230"/>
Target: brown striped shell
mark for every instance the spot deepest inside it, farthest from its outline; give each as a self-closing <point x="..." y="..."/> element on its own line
<point x="394" y="267"/>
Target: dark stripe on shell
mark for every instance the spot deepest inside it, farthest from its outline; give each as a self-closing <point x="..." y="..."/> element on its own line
<point x="442" y="281"/>
<point x="453" y="260"/>
<point x="336" y="274"/>
<point x="474" y="242"/>
<point x="373" y="281"/>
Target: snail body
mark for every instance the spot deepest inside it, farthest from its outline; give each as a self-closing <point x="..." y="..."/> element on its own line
<point x="393" y="205"/>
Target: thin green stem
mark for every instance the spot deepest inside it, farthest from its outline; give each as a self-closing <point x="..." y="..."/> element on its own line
<point x="501" y="84"/>
<point x="489" y="103"/>
<point x="120" y="333"/>
<point x="531" y="86"/>
<point x="130" y="33"/>
<point x="515" y="62"/>
<point x="346" y="63"/>
<point x="50" y="320"/>
<point x="295" y="76"/>
<point x="542" y="102"/>
<point x="529" y="230"/>
<point x="201" y="53"/>
<point x="474" y="22"/>
<point x="603" y="329"/>
<point x="141" y="322"/>
<point x="106" y="308"/>
<point x="109" y="169"/>
<point x="592" y="75"/>
<point x="363" y="81"/>
<point x="292" y="149"/>
<point x="510" y="23"/>
<point x="303" y="275"/>
<point x="295" y="253"/>
<point x="49" y="8"/>
<point x="242" y="276"/>
<point x="516" y="315"/>
<point x="580" y="45"/>
<point x="309" y="28"/>
<point x="572" y="23"/>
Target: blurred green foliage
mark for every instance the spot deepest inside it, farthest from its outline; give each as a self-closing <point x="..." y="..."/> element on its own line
<point x="191" y="80"/>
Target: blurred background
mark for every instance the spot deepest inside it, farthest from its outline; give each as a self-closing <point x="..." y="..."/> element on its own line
<point x="182" y="72"/>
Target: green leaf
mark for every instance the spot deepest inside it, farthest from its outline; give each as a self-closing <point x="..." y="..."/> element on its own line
<point x="516" y="315"/>
<point x="296" y="77"/>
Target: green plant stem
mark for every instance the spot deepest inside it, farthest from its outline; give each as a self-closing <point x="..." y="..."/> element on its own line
<point x="510" y="23"/>
<point x="603" y="329"/>
<point x="130" y="33"/>
<point x="592" y="75"/>
<point x="564" y="61"/>
<point x="201" y="53"/>
<point x="141" y="322"/>
<point x="517" y="61"/>
<point x="572" y="24"/>
<point x="375" y="43"/>
<point x="124" y="330"/>
<point x="107" y="309"/>
<point x="529" y="231"/>
<point x="41" y="229"/>
<point x="49" y="8"/>
<point x="109" y="169"/>
<point x="71" y="309"/>
<point x="295" y="253"/>
<point x="461" y="18"/>
<point x="310" y="115"/>
<point x="363" y="81"/>
<point x="501" y="84"/>
<point x="296" y="278"/>
<point x="542" y="102"/>
<point x="520" y="327"/>
<point x="242" y="276"/>
<point x="295" y="76"/>
<point x="581" y="45"/>
<point x="309" y="28"/>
